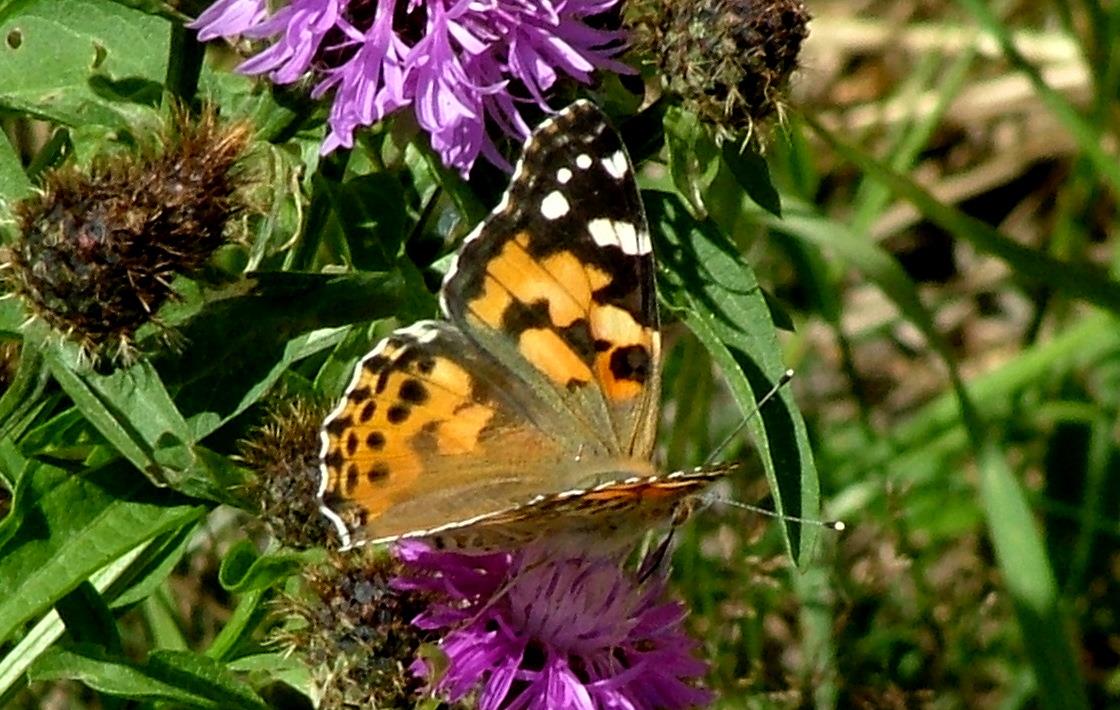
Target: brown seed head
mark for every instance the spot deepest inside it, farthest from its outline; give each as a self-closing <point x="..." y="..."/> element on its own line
<point x="98" y="249"/>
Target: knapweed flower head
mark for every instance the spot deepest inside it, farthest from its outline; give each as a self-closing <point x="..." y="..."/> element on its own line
<point x="458" y="64"/>
<point x="283" y="454"/>
<point x="353" y="631"/>
<point x="538" y="628"/>
<point x="729" y="61"/>
<point x="99" y="247"/>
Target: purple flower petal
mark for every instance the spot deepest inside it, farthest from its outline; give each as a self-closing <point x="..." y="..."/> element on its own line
<point x="536" y="628"/>
<point x="456" y="75"/>
<point x="371" y="84"/>
<point x="301" y="27"/>
<point x="228" y="18"/>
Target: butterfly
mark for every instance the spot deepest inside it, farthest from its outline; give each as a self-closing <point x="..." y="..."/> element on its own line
<point x="531" y="410"/>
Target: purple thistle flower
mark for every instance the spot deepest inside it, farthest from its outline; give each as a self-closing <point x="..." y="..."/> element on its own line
<point x="536" y="628"/>
<point x="457" y="63"/>
<point x="227" y="18"/>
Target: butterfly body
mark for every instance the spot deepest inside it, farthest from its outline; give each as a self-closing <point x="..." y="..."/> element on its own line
<point x="532" y="409"/>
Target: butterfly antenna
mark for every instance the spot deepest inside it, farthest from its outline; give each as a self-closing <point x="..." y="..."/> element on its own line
<point x="836" y="525"/>
<point x="782" y="382"/>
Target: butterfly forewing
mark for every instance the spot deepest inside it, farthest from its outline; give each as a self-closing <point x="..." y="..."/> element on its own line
<point x="558" y="283"/>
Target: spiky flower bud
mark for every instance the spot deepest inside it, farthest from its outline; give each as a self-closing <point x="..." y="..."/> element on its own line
<point x="98" y="250"/>
<point x="353" y="630"/>
<point x="728" y="60"/>
<point x="284" y="454"/>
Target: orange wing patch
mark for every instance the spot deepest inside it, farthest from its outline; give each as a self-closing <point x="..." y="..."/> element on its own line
<point x="460" y="434"/>
<point x="395" y="410"/>
<point x="492" y="303"/>
<point x="537" y="300"/>
<point x="527" y="281"/>
<point x="625" y="354"/>
<point x="548" y="352"/>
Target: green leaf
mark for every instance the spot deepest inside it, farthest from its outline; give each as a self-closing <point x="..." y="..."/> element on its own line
<point x="240" y="343"/>
<point x="14" y="184"/>
<point x="1076" y="280"/>
<point x="205" y="676"/>
<point x="371" y="213"/>
<point x="13" y="467"/>
<point x="693" y="154"/>
<point x="275" y="116"/>
<point x="1090" y="138"/>
<point x="721" y="303"/>
<point x="336" y="373"/>
<point x="177" y="677"/>
<point x="133" y="411"/>
<point x="39" y="637"/>
<point x="273" y="667"/>
<point x="79" y="61"/>
<point x="157" y="562"/>
<point x="1093" y="341"/>
<point x="753" y="175"/>
<point x="12" y="317"/>
<point x="88" y="619"/>
<point x="240" y="626"/>
<point x="162" y="620"/>
<point x="1029" y="577"/>
<point x="23" y="397"/>
<point x="427" y="166"/>
<point x="73" y="526"/>
<point x="244" y="570"/>
<point x="803" y="222"/>
<point x="1007" y="514"/>
<point x="66" y="439"/>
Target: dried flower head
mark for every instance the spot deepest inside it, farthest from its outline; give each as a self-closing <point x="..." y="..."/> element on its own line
<point x="284" y="454"/>
<point x="98" y="250"/>
<point x="728" y="60"/>
<point x="538" y="628"/>
<point x="353" y="630"/>
<point x="459" y="64"/>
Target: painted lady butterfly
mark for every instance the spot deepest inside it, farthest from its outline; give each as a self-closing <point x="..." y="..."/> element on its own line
<point x="532" y="409"/>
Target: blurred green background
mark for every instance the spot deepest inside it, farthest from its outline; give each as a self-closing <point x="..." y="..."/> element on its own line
<point x="949" y="179"/>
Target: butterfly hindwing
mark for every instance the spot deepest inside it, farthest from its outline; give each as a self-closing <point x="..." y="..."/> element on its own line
<point x="426" y="434"/>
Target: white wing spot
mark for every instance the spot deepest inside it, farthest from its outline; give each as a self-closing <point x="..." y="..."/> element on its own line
<point x="644" y="245"/>
<point x="583" y="161"/>
<point x="602" y="231"/>
<point x="608" y="232"/>
<point x="563" y="175"/>
<point x="424" y="331"/>
<point x="616" y="165"/>
<point x="554" y="205"/>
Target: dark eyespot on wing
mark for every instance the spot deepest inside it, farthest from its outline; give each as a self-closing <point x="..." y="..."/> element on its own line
<point x="367" y="412"/>
<point x="398" y="413"/>
<point x="377" y="472"/>
<point x="631" y="363"/>
<point x="337" y="427"/>
<point x="413" y="391"/>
